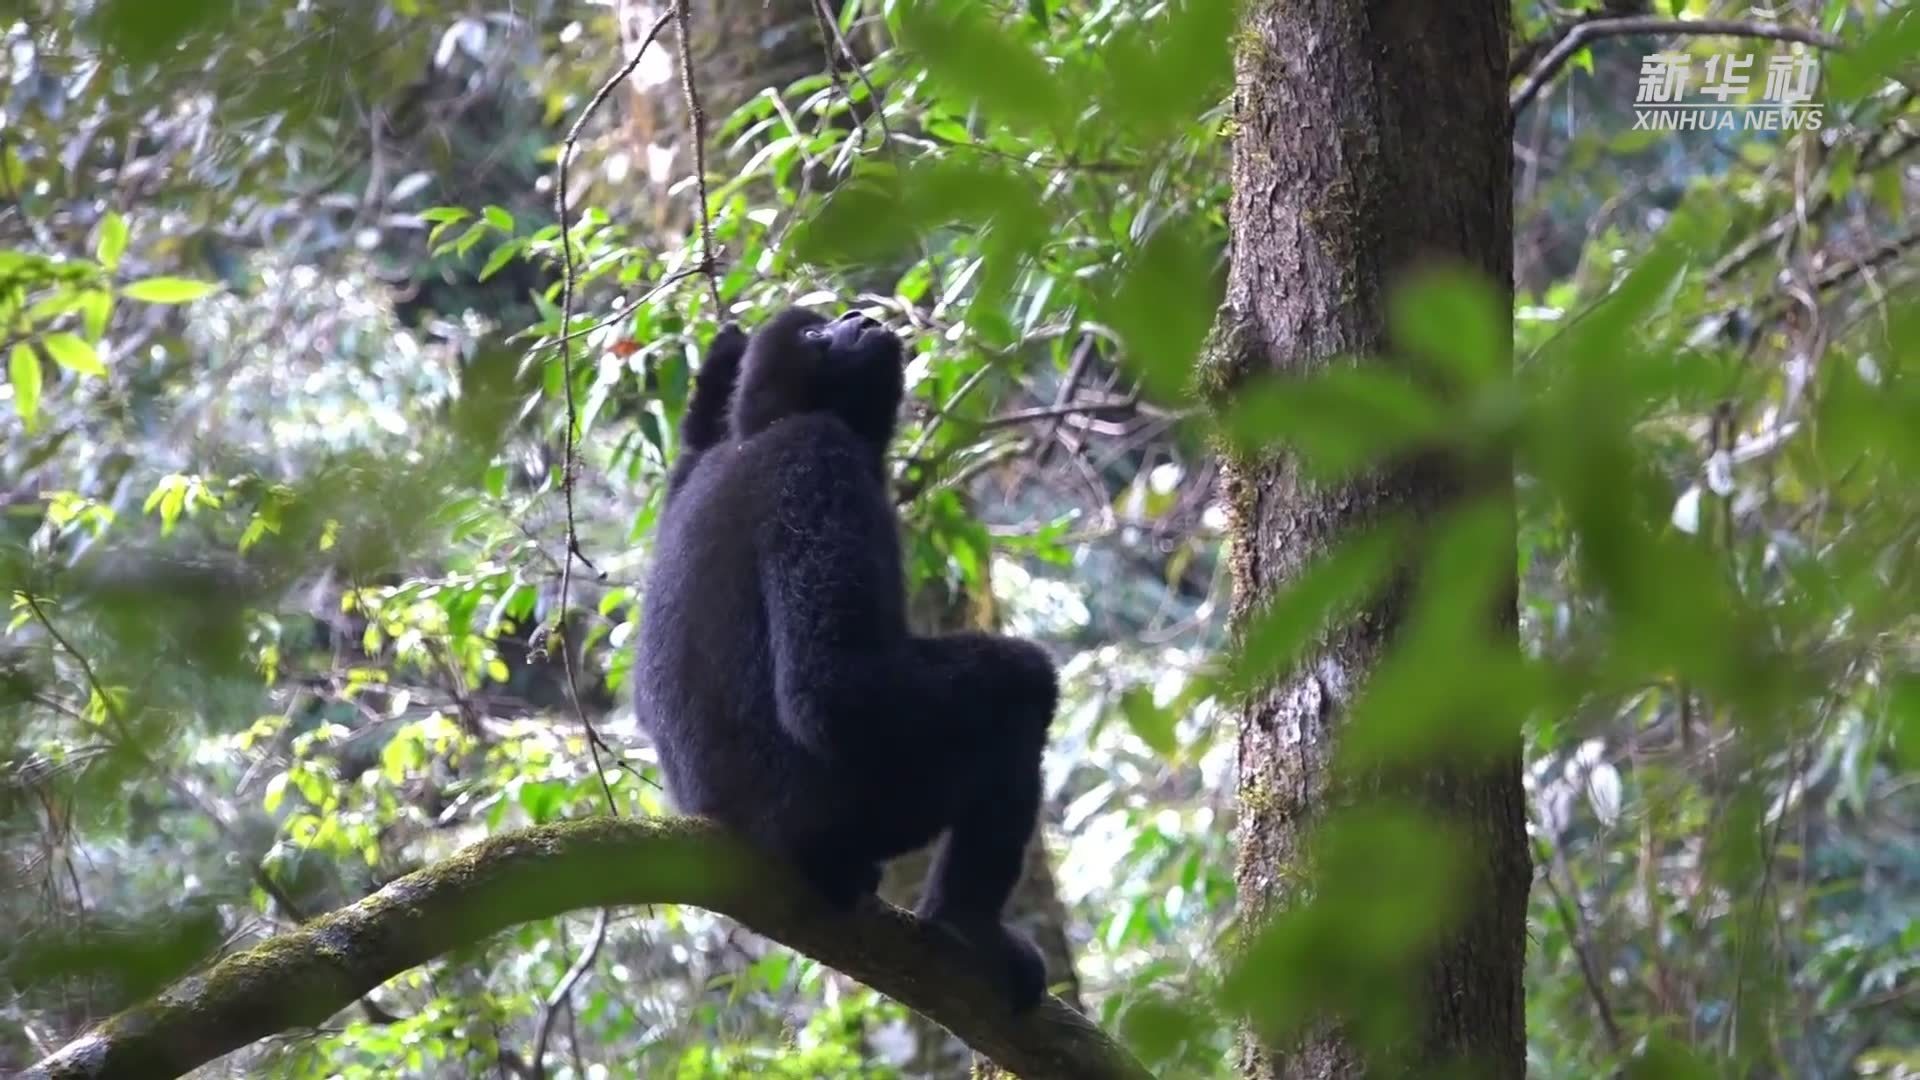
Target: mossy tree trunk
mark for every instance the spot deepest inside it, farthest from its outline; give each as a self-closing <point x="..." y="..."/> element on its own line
<point x="1368" y="139"/>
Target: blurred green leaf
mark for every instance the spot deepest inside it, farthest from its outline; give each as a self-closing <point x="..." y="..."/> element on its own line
<point x="1339" y="420"/>
<point x="113" y="240"/>
<point x="1885" y="48"/>
<point x="1664" y="1059"/>
<point x="883" y="214"/>
<point x="1455" y="687"/>
<point x="72" y="352"/>
<point x="1151" y="723"/>
<point x="1157" y="1025"/>
<point x="967" y="51"/>
<point x="1160" y="73"/>
<point x="168" y="290"/>
<point x="1164" y="305"/>
<point x="1451" y="315"/>
<point x="133" y="958"/>
<point x="1382" y="884"/>
<point x="23" y="373"/>
<point x="150" y="29"/>
<point x="1903" y="709"/>
<point x="501" y="256"/>
<point x="1330" y="587"/>
<point x="96" y="307"/>
<point x="866" y="220"/>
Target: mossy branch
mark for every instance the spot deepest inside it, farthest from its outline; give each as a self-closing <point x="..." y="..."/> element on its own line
<point x="301" y="978"/>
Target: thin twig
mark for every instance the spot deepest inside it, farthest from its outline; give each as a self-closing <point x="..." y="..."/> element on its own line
<point x="697" y="133"/>
<point x="1890" y="996"/>
<point x="1754" y="245"/>
<point x="1579" y="34"/>
<point x="94" y="684"/>
<point x="1121" y="406"/>
<point x="1836" y="275"/>
<point x="830" y="29"/>
<point x="568" y="462"/>
<point x="1077" y="367"/>
<point x="1580" y="938"/>
<point x="1530" y="50"/>
<point x="562" y="990"/>
<point x="981" y="464"/>
<point x="666" y="283"/>
<point x="941" y="414"/>
<point x="568" y="276"/>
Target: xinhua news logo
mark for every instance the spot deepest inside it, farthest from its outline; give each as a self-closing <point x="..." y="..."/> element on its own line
<point x="1666" y="99"/>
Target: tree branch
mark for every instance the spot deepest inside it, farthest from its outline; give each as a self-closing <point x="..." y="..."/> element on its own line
<point x="1750" y="248"/>
<point x="1571" y="37"/>
<point x="301" y="978"/>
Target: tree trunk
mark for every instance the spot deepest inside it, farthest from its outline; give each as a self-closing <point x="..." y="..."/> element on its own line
<point x="1368" y="137"/>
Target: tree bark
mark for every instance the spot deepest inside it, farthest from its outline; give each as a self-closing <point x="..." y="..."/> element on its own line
<point x="301" y="978"/>
<point x="1367" y="138"/>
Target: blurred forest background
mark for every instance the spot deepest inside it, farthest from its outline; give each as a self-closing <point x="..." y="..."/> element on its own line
<point x="287" y="523"/>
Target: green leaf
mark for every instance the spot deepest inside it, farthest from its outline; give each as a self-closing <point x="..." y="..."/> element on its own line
<point x="501" y="256"/>
<point x="1379" y="887"/>
<point x="96" y="307"/>
<point x="967" y="51"/>
<point x="72" y="352"/>
<point x="53" y="306"/>
<point x="1153" y="724"/>
<point x="1333" y="585"/>
<point x="275" y="794"/>
<point x="1879" y="53"/>
<point x="542" y="801"/>
<point x="169" y="290"/>
<point x="880" y="214"/>
<point x="1452" y="316"/>
<point x="445" y="215"/>
<point x="1165" y="304"/>
<point x="1890" y="193"/>
<point x="499" y="218"/>
<point x="23" y="371"/>
<point x="1157" y="1025"/>
<point x="113" y="240"/>
<point x="1161" y="74"/>
<point x="1903" y="706"/>
<point x="1340" y="420"/>
<point x="467" y="239"/>
<point x="1662" y="1058"/>
<point x="141" y="30"/>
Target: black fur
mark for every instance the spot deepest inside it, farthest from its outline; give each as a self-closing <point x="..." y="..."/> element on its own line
<point x="705" y="424"/>
<point x="776" y="672"/>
